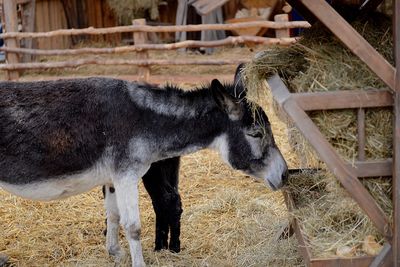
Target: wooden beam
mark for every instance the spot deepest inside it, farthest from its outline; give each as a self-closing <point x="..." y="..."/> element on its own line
<point x="396" y="137"/>
<point x="303" y="247"/>
<point x="361" y="133"/>
<point x="344" y="99"/>
<point x="147" y="28"/>
<point x="384" y="258"/>
<point x="138" y="62"/>
<point x="231" y="40"/>
<point x="353" y="40"/>
<point x="28" y="25"/>
<point x="375" y="168"/>
<point x="282" y="33"/>
<point x="140" y="38"/>
<point x="337" y="166"/>
<point x="11" y="24"/>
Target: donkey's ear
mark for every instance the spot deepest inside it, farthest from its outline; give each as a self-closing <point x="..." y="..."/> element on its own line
<point x="226" y="102"/>
<point x="239" y="88"/>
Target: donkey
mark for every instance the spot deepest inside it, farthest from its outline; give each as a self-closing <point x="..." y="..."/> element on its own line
<point x="161" y="182"/>
<point x="62" y="138"/>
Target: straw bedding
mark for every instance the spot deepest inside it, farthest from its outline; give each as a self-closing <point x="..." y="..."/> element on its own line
<point x="319" y="62"/>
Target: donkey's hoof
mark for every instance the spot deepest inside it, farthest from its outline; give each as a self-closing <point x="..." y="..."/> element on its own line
<point x="117" y="253"/>
<point x="3" y="260"/>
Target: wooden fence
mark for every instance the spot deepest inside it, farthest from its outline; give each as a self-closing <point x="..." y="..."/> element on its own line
<point x="141" y="46"/>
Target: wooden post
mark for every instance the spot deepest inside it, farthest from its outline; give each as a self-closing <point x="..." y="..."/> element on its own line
<point x="396" y="137"/>
<point x="282" y="33"/>
<point x="11" y="25"/>
<point x="141" y="38"/>
<point x="28" y="25"/>
<point x="361" y="133"/>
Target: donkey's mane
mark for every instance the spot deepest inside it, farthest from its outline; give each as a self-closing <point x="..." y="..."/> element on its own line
<point x="205" y="89"/>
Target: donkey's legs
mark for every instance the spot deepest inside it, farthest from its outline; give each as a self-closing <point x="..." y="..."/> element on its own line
<point x="126" y="191"/>
<point x="112" y="222"/>
<point x="175" y="224"/>
<point x="161" y="182"/>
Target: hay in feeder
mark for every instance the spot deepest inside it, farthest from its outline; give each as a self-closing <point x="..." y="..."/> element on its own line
<point x="319" y="62"/>
<point x="329" y="218"/>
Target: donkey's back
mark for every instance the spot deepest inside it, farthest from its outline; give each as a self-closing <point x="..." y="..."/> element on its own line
<point x="55" y="130"/>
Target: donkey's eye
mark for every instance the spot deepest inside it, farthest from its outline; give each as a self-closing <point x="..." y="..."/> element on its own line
<point x="256" y="134"/>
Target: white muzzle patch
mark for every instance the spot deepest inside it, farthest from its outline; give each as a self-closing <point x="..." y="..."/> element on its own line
<point x="276" y="169"/>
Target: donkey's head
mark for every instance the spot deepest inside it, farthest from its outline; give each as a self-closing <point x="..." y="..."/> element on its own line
<point x="248" y="143"/>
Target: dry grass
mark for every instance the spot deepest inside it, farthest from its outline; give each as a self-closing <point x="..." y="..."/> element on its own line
<point x="320" y="62"/>
<point x="329" y="217"/>
<point x="228" y="220"/>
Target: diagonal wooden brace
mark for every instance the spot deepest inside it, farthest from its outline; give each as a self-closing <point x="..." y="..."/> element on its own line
<point x="347" y="177"/>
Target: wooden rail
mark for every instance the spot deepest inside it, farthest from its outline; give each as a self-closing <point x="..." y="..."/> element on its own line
<point x="138" y="62"/>
<point x="140" y="30"/>
<point x="147" y="28"/>
<point x="140" y="47"/>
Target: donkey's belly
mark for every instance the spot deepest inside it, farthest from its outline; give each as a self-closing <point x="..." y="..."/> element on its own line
<point x="60" y="187"/>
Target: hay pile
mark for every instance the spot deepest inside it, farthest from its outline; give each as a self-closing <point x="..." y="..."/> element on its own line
<point x="319" y="62"/>
<point x="330" y="218"/>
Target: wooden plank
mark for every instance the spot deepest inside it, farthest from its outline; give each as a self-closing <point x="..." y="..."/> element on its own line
<point x="155" y="79"/>
<point x="344" y="99"/>
<point x="375" y="168"/>
<point x="282" y="33"/>
<point x="396" y="138"/>
<point x="141" y="38"/>
<point x="384" y="258"/>
<point x="39" y="24"/>
<point x="11" y="24"/>
<point x="303" y="248"/>
<point x="231" y="40"/>
<point x="353" y="40"/>
<point x="46" y="23"/>
<point x="326" y="152"/>
<point x="361" y="133"/>
<point x="28" y="25"/>
<point x="342" y="262"/>
<point x="139" y="62"/>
